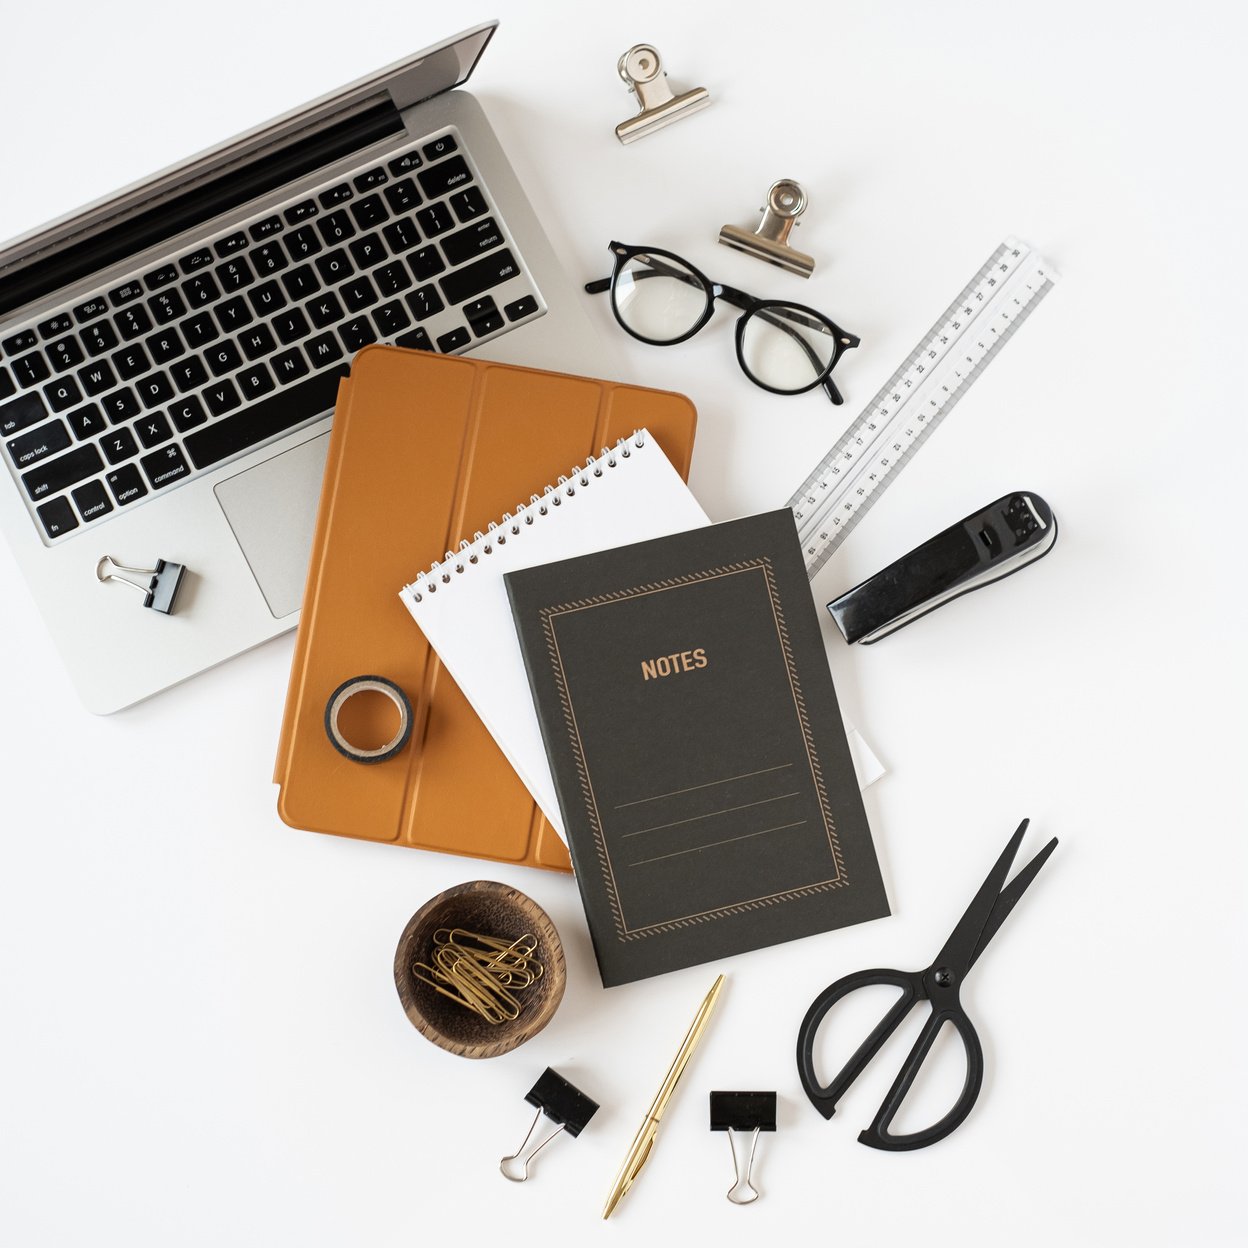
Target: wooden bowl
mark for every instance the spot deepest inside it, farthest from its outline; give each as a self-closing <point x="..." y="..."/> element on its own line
<point x="492" y="909"/>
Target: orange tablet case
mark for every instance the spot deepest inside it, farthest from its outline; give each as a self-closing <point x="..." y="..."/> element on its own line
<point x="425" y="450"/>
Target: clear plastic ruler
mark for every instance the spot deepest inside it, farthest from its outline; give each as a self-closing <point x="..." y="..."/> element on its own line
<point x="917" y="397"/>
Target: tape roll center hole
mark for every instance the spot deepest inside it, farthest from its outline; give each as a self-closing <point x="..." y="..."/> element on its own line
<point x="369" y="720"/>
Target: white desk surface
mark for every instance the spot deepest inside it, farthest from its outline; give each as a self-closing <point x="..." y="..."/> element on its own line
<point x="200" y="1042"/>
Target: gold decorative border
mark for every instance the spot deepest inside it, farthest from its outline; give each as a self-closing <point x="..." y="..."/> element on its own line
<point x="548" y="616"/>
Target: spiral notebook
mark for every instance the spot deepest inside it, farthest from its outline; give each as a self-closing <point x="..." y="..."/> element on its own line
<point x="628" y="494"/>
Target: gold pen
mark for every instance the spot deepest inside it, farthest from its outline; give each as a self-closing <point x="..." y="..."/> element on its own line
<point x="639" y="1153"/>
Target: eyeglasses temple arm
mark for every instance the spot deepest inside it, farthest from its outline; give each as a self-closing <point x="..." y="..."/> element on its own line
<point x="597" y="287"/>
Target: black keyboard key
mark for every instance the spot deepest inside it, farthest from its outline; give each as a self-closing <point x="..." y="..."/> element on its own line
<point x="189" y="374"/>
<point x="469" y="204"/>
<point x="391" y="319"/>
<point x="97" y="377"/>
<point x="201" y="290"/>
<point x="402" y="196"/>
<point x="335" y="195"/>
<point x="231" y="243"/>
<point x="133" y="322"/>
<point x="336" y="228"/>
<point x="235" y="274"/>
<point x="120" y="406"/>
<point x="356" y="333"/>
<point x="324" y="350"/>
<point x="276" y="414"/>
<point x="200" y="330"/>
<point x="166" y="306"/>
<point x="126" y="485"/>
<point x="369" y="212"/>
<point x="7" y="385"/>
<point x="61" y="323"/>
<point x="301" y="212"/>
<point x="131" y="361"/>
<point x="89" y="310"/>
<point x="359" y="294"/>
<point x="334" y="267"/>
<point x="123" y="294"/>
<point x="186" y="414"/>
<point x="474" y="241"/>
<point x="267" y="299"/>
<point x="30" y="447"/>
<point x="435" y="220"/>
<point x="266" y="228"/>
<point x="153" y="430"/>
<point x="159" y="277"/>
<point x="416" y="340"/>
<point x="325" y="311"/>
<point x="291" y="326"/>
<point x="62" y="394"/>
<point x="65" y="353"/>
<point x="522" y="307"/>
<point x="453" y="341"/>
<point x="290" y="366"/>
<point x="99" y="338"/>
<point x="483" y="316"/>
<point x="165" y="346"/>
<point x="368" y="251"/>
<point x="223" y="357"/>
<point x="392" y="278"/>
<point x="447" y="176"/>
<point x="301" y="283"/>
<point x="367" y="181"/>
<point x="17" y="343"/>
<point x="424" y="302"/>
<point x="31" y="369"/>
<point x="59" y="474"/>
<point x="401" y="236"/>
<point x="269" y="259"/>
<point x="154" y="390"/>
<point x="119" y="446"/>
<point x="234" y="314"/>
<point x="221" y="397"/>
<point x="255" y="382"/>
<point x="426" y="263"/>
<point x="441" y="147"/>
<point x="303" y="244"/>
<point x="165" y="466"/>
<point x="476" y="278"/>
<point x="405" y="164"/>
<point x="87" y="421"/>
<point x="92" y="501"/>
<point x="57" y="517"/>
<point x="196" y="260"/>
<point x="257" y="342"/>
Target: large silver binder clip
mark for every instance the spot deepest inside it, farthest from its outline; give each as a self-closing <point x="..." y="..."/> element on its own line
<point x="786" y="201"/>
<point x="644" y="75"/>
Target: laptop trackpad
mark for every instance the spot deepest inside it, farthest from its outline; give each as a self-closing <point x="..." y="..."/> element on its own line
<point x="272" y="510"/>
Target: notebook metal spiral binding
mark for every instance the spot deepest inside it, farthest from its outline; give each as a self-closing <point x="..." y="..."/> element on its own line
<point x="453" y="563"/>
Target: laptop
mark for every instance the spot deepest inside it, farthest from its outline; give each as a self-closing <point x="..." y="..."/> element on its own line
<point x="169" y="356"/>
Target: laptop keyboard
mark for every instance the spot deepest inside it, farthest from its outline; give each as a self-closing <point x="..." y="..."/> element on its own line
<point x="172" y="372"/>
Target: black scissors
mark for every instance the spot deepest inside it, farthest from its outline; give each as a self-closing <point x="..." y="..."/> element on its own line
<point x="939" y="985"/>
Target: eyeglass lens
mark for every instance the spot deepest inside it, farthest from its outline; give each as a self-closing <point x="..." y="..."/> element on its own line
<point x="786" y="348"/>
<point x="658" y="298"/>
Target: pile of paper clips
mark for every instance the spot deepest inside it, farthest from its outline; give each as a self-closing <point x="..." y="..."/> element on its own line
<point x="483" y="973"/>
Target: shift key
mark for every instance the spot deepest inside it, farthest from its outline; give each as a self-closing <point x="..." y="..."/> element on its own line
<point x="473" y="278"/>
<point x="60" y="473"/>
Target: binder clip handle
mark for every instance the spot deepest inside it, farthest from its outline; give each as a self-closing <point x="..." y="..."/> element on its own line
<point x="743" y="1111"/>
<point x="561" y="1102"/>
<point x="160" y="584"/>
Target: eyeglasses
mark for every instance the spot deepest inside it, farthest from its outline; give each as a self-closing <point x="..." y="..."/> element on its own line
<point x="783" y="347"/>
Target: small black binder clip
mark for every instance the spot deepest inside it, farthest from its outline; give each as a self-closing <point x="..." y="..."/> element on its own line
<point x="743" y="1111"/>
<point x="562" y="1103"/>
<point x="159" y="586"/>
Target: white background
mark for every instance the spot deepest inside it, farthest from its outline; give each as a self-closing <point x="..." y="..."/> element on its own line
<point x="200" y="1042"/>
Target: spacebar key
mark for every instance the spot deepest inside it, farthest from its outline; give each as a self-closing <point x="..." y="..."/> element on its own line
<point x="261" y="421"/>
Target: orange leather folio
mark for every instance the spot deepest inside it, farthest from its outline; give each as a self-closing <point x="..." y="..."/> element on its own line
<point x="425" y="451"/>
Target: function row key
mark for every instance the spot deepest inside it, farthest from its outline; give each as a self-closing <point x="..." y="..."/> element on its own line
<point x="231" y="243"/>
<point x="89" y="310"/>
<point x="196" y="260"/>
<point x="441" y="147"/>
<point x="16" y="343"/>
<point x="160" y="277"/>
<point x="405" y="163"/>
<point x="124" y="294"/>
<point x="55" y="325"/>
<point x="335" y="195"/>
<point x="369" y="180"/>
<point x="301" y="212"/>
<point x="266" y="228"/>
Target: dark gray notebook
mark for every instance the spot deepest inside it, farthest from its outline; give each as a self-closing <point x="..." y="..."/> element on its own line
<point x="693" y="732"/>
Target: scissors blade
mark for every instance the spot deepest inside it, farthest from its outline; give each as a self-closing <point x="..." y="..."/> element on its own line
<point x="1009" y="898"/>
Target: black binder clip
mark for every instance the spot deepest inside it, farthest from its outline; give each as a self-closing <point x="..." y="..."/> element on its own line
<point x="743" y="1111"/>
<point x="160" y="584"/>
<point x="562" y="1103"/>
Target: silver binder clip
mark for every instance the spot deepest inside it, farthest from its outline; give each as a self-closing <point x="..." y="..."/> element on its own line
<point x="786" y="201"/>
<point x="159" y="586"/>
<point x="743" y="1112"/>
<point x="645" y="77"/>
<point x="564" y="1104"/>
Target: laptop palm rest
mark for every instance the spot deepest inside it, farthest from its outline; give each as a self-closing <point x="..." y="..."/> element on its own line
<point x="271" y="509"/>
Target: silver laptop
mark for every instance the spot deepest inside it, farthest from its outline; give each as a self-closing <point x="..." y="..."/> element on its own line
<point x="169" y="356"/>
